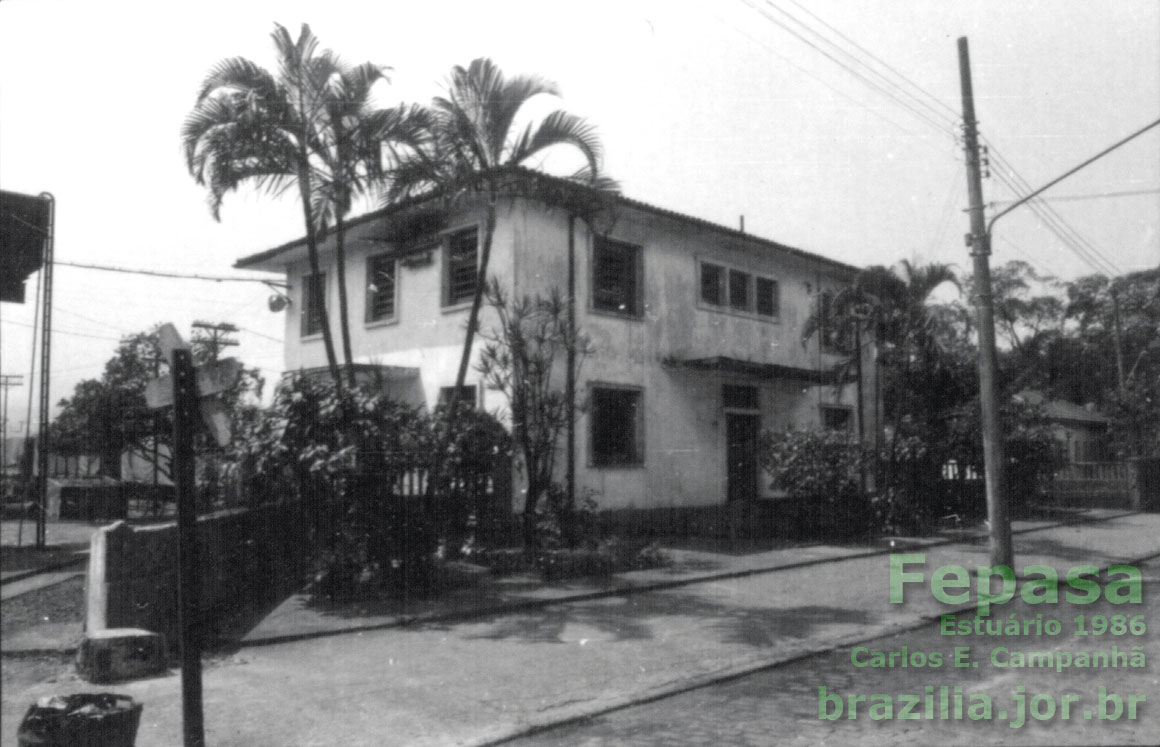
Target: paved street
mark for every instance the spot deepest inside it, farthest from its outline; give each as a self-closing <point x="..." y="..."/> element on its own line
<point x="476" y="679"/>
<point x="780" y="705"/>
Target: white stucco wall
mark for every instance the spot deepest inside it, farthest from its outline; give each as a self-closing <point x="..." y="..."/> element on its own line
<point x="684" y="432"/>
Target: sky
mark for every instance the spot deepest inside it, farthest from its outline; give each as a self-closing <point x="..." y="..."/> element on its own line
<point x="716" y="109"/>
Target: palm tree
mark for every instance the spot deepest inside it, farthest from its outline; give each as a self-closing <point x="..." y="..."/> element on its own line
<point x="352" y="159"/>
<point x="473" y="145"/>
<point x="312" y="126"/>
<point x="475" y="151"/>
<point x="890" y="306"/>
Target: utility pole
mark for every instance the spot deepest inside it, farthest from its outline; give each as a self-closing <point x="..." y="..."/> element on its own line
<point x="42" y="439"/>
<point x="7" y="381"/>
<point x="1117" y="333"/>
<point x="214" y="337"/>
<point x="980" y="242"/>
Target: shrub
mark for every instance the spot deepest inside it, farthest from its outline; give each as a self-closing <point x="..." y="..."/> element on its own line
<point x="477" y="453"/>
<point x="821" y="469"/>
<point x="342" y="454"/>
<point x="560" y="524"/>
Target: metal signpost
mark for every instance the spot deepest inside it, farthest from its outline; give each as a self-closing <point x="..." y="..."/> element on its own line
<point x="189" y="389"/>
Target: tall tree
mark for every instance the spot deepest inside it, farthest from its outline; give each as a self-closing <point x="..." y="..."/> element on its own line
<point x="1114" y="354"/>
<point x="892" y="307"/>
<point x="520" y="359"/>
<point x="108" y="416"/>
<point x="474" y="140"/>
<point x="352" y="159"/>
<point x="310" y="126"/>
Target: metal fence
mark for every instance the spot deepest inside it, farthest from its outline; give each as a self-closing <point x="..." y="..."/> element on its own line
<point x="1095" y="484"/>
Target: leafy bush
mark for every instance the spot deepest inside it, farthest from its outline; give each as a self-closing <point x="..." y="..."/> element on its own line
<point x="343" y="454"/>
<point x="560" y="524"/>
<point x="821" y="469"/>
<point x="476" y="454"/>
<point x="1032" y="452"/>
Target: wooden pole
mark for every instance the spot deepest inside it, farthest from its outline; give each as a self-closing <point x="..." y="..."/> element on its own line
<point x="998" y="513"/>
<point x="189" y="615"/>
<point x="570" y="374"/>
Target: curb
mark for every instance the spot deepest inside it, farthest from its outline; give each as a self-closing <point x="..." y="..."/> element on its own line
<point x="514" y="607"/>
<point x="734" y="673"/>
<point x="22" y="575"/>
<point x="65" y="652"/>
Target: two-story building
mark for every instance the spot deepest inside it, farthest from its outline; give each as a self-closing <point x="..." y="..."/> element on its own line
<point x="695" y="330"/>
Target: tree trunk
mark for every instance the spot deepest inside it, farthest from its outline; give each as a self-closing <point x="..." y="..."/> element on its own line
<point x="476" y="303"/>
<point x="531" y="500"/>
<point x="315" y="270"/>
<point x="342" y="204"/>
<point x="469" y="339"/>
<point x="343" y="315"/>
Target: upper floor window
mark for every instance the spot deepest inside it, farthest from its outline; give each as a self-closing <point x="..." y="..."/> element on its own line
<point x="739" y="283"/>
<point x="767" y="300"/>
<point x="712" y="284"/>
<point x="616" y="277"/>
<point x="833" y="336"/>
<point x="382" y="274"/>
<point x="738" y="290"/>
<point x="461" y="273"/>
<point x="313" y="301"/>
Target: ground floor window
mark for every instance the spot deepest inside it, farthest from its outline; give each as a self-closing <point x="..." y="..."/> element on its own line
<point x="617" y="426"/>
<point x="467" y="394"/>
<point x="837" y="418"/>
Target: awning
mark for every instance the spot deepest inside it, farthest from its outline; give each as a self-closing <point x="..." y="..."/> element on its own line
<point x="23" y="229"/>
<point x="759" y="370"/>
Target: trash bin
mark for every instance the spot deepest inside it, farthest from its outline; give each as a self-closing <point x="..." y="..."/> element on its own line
<point x="81" y="720"/>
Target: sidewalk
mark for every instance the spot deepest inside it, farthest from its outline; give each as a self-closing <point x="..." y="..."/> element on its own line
<point x="459" y="675"/>
<point x="297" y="618"/>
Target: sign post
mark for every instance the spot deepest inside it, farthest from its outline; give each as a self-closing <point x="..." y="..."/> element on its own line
<point x="189" y="616"/>
<point x="190" y="390"/>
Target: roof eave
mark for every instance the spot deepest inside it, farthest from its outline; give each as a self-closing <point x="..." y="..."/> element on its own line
<point x="263" y="259"/>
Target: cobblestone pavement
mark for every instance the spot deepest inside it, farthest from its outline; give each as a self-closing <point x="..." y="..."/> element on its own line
<point x="781" y="705"/>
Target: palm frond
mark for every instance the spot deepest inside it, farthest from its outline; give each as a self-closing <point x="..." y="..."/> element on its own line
<point x="359" y="81"/>
<point x="238" y="73"/>
<point x="595" y="180"/>
<point x="559" y="128"/>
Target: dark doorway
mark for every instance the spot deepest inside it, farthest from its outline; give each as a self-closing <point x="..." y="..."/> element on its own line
<point x="741" y="454"/>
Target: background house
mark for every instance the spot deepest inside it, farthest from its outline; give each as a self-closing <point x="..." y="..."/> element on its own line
<point x="696" y="330"/>
<point x="1082" y="431"/>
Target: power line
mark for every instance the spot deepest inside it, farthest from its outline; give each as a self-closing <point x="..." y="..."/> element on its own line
<point x="261" y="334"/>
<point x="1051" y="222"/>
<point x="1071" y="238"/>
<point x="90" y="319"/>
<point x="947" y="214"/>
<point x="838" y="91"/>
<point x="941" y="120"/>
<point x="1063" y="230"/>
<point x="1093" y="196"/>
<point x="58" y="330"/>
<point x="162" y="274"/>
<point x="954" y="115"/>
<point x="942" y="126"/>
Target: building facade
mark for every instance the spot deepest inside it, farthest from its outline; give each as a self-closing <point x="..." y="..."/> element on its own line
<point x="695" y="332"/>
